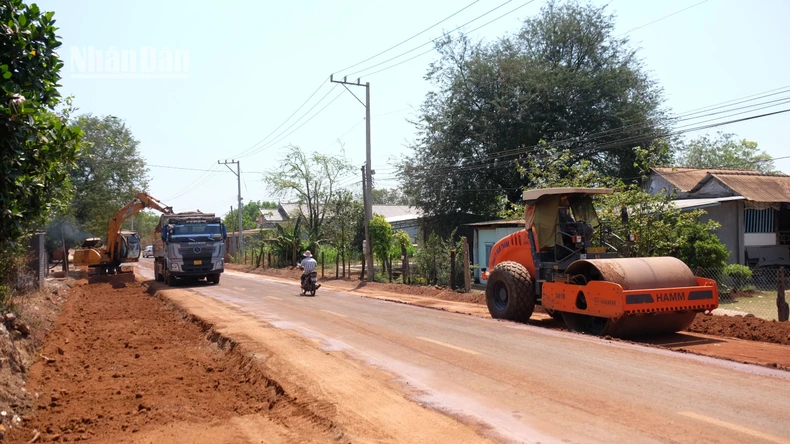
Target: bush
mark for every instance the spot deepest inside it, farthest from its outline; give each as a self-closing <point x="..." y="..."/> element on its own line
<point x="739" y="275"/>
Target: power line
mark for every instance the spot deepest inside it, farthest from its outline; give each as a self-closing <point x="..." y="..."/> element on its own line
<point x="410" y="38"/>
<point x="430" y="41"/>
<point x="432" y="49"/>
<point x="194" y="169"/>
<point x="499" y="163"/>
<point x="662" y="18"/>
<point x="257" y="150"/>
<point x="612" y="132"/>
<point x="286" y="120"/>
<point x="271" y="144"/>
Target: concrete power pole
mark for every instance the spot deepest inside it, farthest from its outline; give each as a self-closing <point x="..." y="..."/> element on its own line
<point x="240" y="244"/>
<point x="366" y="190"/>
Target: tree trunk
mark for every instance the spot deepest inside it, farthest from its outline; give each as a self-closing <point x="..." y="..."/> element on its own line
<point x="404" y="264"/>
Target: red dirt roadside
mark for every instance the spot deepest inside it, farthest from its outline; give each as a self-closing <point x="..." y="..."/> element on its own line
<point x="123" y="366"/>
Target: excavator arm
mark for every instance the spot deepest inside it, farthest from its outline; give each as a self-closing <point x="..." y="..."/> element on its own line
<point x="141" y="202"/>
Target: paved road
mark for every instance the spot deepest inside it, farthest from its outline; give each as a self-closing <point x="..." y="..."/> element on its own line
<point x="530" y="384"/>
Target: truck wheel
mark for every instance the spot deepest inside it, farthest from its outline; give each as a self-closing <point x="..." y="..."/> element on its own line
<point x="170" y="280"/>
<point x="214" y="278"/>
<point x="509" y="292"/>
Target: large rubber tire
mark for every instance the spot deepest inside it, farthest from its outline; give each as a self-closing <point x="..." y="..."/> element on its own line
<point x="312" y="292"/>
<point x="214" y="278"/>
<point x="510" y="293"/>
<point x="170" y="280"/>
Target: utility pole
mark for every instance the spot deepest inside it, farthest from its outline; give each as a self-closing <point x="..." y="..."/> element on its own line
<point x="367" y="191"/>
<point x="238" y="180"/>
<point x="366" y="245"/>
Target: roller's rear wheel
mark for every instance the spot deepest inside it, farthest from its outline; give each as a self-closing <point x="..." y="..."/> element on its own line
<point x="510" y="293"/>
<point x="556" y="315"/>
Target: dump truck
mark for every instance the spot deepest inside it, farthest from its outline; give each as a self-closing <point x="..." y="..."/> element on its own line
<point x="189" y="246"/>
<point x="121" y="247"/>
<point x="552" y="263"/>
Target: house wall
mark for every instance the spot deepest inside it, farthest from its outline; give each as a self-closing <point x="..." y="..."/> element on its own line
<point x="487" y="237"/>
<point x="759" y="239"/>
<point x="731" y="233"/>
<point x="713" y="188"/>
<point x="656" y="184"/>
<point x="410" y="227"/>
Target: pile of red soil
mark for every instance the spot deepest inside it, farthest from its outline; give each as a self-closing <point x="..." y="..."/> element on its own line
<point x="119" y="361"/>
<point x="752" y="329"/>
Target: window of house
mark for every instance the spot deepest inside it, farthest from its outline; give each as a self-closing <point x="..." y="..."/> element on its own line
<point x="489" y="247"/>
<point x="760" y="221"/>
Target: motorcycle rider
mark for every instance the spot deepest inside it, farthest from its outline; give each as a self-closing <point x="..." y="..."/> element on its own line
<point x="308" y="265"/>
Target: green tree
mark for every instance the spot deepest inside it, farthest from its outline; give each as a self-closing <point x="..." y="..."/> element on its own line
<point x="381" y="238"/>
<point x="109" y="174"/>
<point x="565" y="78"/>
<point x="724" y="151"/>
<point x="345" y="212"/>
<point x="389" y="196"/>
<point x="249" y="216"/>
<point x="37" y="146"/>
<point x="662" y="229"/>
<point x="311" y="180"/>
<point x="144" y="224"/>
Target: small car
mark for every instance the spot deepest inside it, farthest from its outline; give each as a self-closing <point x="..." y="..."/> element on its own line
<point x="149" y="251"/>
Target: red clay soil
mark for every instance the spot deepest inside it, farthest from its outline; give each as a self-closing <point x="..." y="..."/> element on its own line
<point x="120" y="361"/>
<point x="752" y="329"/>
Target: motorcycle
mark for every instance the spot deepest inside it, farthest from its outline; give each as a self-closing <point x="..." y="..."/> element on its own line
<point x="310" y="283"/>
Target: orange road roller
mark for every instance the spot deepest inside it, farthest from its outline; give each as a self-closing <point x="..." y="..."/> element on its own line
<point x="552" y="263"/>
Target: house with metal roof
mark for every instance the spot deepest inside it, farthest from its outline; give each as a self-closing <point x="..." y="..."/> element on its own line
<point x="753" y="208"/>
<point x="401" y="217"/>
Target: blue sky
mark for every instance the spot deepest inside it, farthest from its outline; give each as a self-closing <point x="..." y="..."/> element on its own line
<point x="250" y="64"/>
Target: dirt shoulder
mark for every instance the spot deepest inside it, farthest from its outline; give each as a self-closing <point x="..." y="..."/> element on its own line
<point x="144" y="363"/>
<point x="122" y="366"/>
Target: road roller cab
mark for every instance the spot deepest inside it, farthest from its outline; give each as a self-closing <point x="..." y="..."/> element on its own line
<point x="563" y="260"/>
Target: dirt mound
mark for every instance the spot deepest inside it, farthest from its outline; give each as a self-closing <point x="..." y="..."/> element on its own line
<point x="120" y="362"/>
<point x="752" y="329"/>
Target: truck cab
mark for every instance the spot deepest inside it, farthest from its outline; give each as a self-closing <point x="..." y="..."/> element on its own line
<point x="189" y="246"/>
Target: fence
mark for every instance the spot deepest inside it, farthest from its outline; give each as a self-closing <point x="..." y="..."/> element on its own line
<point x="750" y="292"/>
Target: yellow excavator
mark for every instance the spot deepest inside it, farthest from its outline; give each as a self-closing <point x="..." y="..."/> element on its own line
<point x="106" y="259"/>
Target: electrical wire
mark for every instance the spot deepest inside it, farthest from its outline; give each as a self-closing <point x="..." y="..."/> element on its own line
<point x="432" y="41"/>
<point x="433" y="49"/>
<point x="662" y="18"/>
<point x="410" y="38"/>
<point x="284" y="121"/>
<point x="271" y="144"/>
<point x="612" y="132"/>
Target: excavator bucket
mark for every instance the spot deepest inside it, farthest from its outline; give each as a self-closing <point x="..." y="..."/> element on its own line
<point x="630" y="297"/>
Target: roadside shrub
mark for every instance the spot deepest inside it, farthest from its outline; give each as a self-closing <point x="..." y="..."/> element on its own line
<point x="739" y="275"/>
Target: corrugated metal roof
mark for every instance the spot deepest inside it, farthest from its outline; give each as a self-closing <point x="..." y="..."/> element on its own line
<point x="498" y="223"/>
<point x="690" y="204"/>
<point x="685" y="179"/>
<point x="755" y="187"/>
<point x="388" y="211"/>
